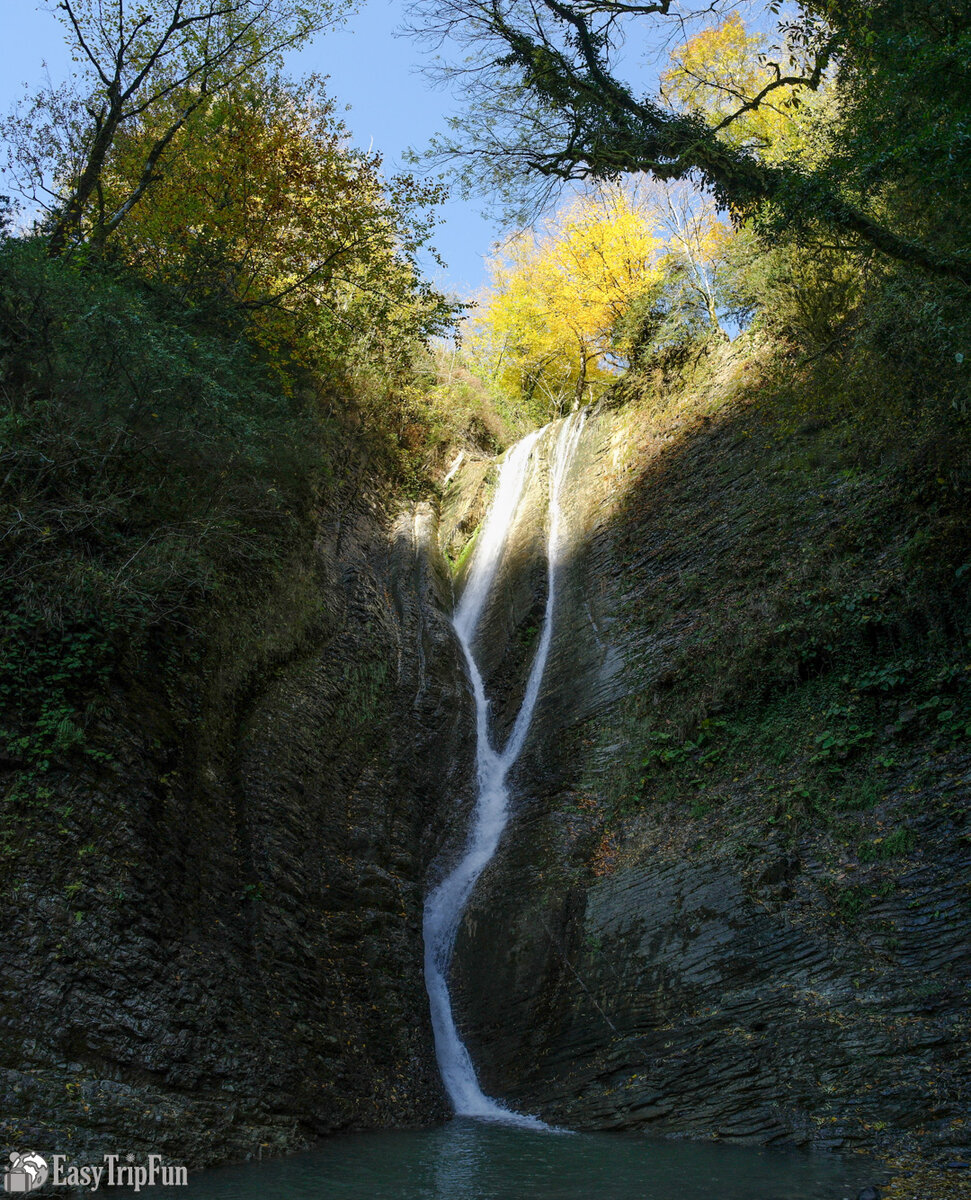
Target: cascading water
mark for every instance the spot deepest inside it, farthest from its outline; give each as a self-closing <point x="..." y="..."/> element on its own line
<point x="445" y="905"/>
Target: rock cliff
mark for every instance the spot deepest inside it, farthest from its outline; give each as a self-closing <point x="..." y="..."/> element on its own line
<point x="686" y="944"/>
<point x="734" y="899"/>
<point x="213" y="946"/>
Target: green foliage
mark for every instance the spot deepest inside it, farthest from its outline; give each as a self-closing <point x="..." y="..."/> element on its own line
<point x="884" y="677"/>
<point x="868" y="331"/>
<point x="422" y="412"/>
<point x="842" y="737"/>
<point x="883" y="848"/>
<point x="805" y="293"/>
<point x="852" y="901"/>
<point x="160" y="470"/>
<point x="48" y="680"/>
<point x="668" y="750"/>
<point x="147" y="446"/>
<point x="903" y="134"/>
<point x="150" y="468"/>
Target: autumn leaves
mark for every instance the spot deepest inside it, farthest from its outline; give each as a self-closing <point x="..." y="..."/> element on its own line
<point x="567" y="305"/>
<point x="183" y="150"/>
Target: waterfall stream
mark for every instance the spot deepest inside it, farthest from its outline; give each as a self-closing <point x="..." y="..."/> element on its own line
<point x="445" y="905"/>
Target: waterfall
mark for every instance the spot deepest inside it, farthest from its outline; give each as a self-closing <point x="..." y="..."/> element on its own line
<point x="445" y="905"/>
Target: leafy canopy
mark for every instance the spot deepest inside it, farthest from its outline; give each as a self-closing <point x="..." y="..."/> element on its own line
<point x="616" y="267"/>
<point x="550" y="98"/>
<point x="267" y="206"/>
<point x="135" y="61"/>
<point x="555" y="299"/>
<point x="715" y="73"/>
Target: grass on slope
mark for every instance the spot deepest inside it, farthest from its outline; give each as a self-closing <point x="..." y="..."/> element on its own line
<point x="797" y="576"/>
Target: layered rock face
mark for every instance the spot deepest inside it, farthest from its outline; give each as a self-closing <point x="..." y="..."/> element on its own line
<point x="674" y="973"/>
<point x="214" y="950"/>
<point x="213" y="944"/>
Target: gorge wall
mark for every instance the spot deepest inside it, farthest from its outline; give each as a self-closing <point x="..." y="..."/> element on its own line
<point x="212" y="946"/>
<point x="733" y="902"/>
<point x="699" y="921"/>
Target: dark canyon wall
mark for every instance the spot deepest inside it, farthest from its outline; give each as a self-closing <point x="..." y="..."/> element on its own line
<point x="212" y="946"/>
<point x="694" y="955"/>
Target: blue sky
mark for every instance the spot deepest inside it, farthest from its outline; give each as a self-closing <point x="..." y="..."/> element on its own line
<point x="392" y="106"/>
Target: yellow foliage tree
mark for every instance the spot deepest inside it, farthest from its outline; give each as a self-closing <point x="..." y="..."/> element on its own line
<point x="722" y="71"/>
<point x="628" y="267"/>
<point x="547" y="325"/>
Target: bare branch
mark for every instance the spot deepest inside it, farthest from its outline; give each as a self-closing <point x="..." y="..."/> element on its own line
<point x="82" y="42"/>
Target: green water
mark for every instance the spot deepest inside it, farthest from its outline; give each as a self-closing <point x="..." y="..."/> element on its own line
<point x="473" y="1160"/>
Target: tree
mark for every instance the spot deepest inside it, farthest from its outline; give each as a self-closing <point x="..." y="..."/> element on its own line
<point x="547" y="330"/>
<point x="138" y="60"/>
<point x="902" y="138"/>
<point x="549" y="99"/>
<point x="696" y="266"/>
<point x="715" y="72"/>
<point x="271" y="210"/>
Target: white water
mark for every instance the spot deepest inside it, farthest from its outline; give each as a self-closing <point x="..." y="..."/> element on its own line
<point x="445" y="905"/>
